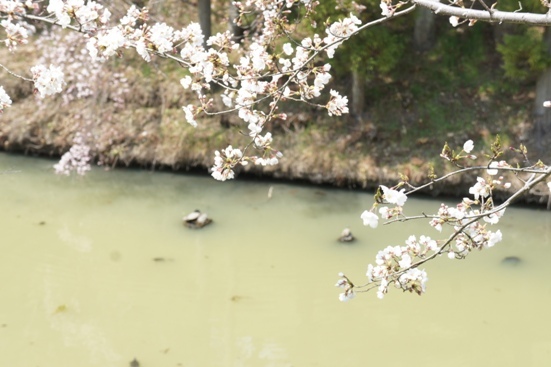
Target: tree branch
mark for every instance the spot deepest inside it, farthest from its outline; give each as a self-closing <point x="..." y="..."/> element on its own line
<point x="495" y="16"/>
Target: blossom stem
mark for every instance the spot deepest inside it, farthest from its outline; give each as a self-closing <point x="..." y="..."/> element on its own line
<point x="15" y="75"/>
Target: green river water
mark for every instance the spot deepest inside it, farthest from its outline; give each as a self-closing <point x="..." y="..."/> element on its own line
<point x="98" y="270"/>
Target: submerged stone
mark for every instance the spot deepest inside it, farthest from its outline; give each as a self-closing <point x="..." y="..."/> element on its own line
<point x="511" y="261"/>
<point x="196" y="219"/>
<point x="346" y="236"/>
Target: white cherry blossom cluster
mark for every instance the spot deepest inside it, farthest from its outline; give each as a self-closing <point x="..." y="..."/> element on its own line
<point x="76" y="159"/>
<point x="481" y="189"/>
<point x="474" y="236"/>
<point x="47" y="81"/>
<point x="268" y="14"/>
<point x="89" y="15"/>
<point x="225" y="161"/>
<point x="190" y="113"/>
<point x="12" y="7"/>
<point x="447" y="215"/>
<point x="348" y="287"/>
<point x="17" y="33"/>
<point x="468" y="223"/>
<point x="337" y="105"/>
<point x="5" y="100"/>
<point x="394" y="264"/>
<point x="339" y="32"/>
<point x="269" y="156"/>
<point x="389" y="196"/>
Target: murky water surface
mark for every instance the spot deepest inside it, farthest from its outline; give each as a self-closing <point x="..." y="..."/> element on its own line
<point x="99" y="270"/>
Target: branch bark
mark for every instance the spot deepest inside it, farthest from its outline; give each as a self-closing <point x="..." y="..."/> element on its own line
<point x="493" y="16"/>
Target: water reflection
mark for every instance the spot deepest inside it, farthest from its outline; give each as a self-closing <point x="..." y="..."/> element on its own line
<point x="99" y="270"/>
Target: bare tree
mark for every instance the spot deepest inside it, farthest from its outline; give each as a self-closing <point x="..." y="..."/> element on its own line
<point x="204" y="9"/>
<point x="357" y="106"/>
<point x="424" y="31"/>
<point x="233" y="26"/>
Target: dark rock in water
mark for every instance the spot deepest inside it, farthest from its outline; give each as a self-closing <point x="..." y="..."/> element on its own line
<point x="346" y="236"/>
<point x="511" y="261"/>
<point x="162" y="259"/>
<point x="134" y="363"/>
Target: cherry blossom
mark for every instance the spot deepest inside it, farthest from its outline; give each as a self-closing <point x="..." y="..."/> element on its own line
<point x="395" y="264"/>
<point x="47" y="81"/>
<point x="437" y="224"/>
<point x="494" y="237"/>
<point x="454" y="21"/>
<point x="61" y="12"/>
<point x="370" y="219"/>
<point x="224" y="161"/>
<point x="480" y="189"/>
<point x="345" y="283"/>
<point x="186" y="81"/>
<point x="343" y="297"/>
<point x="494" y="218"/>
<point x="468" y="222"/>
<point x="271" y="161"/>
<point x="338" y="32"/>
<point x="385" y="212"/>
<point x="393" y="196"/>
<point x="106" y="44"/>
<point x="456" y="213"/>
<point x="413" y="280"/>
<point x="493" y="167"/>
<point x="189" y="111"/>
<point x="88" y="15"/>
<point x="288" y="49"/>
<point x="5" y="100"/>
<point x="492" y="171"/>
<point x="17" y="34"/>
<point x="76" y="159"/>
<point x="385" y="9"/>
<point x="468" y="146"/>
<point x="162" y="36"/>
<point x="337" y="105"/>
<point x="263" y="141"/>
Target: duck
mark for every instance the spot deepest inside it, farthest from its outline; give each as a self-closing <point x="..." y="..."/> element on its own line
<point x="196" y="219"/>
<point x="346" y="236"/>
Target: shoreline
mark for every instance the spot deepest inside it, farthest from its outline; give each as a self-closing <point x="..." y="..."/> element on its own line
<point x="448" y="192"/>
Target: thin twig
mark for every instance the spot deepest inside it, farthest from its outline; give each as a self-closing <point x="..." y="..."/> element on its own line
<point x="16" y="75"/>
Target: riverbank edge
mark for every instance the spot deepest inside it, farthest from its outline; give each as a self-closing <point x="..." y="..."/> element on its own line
<point x="358" y="173"/>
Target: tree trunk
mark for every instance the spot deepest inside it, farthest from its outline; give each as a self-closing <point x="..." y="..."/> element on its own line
<point x="358" y="94"/>
<point x="204" y="19"/>
<point x="542" y="115"/>
<point x="424" y="31"/>
<point x="236" y="31"/>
